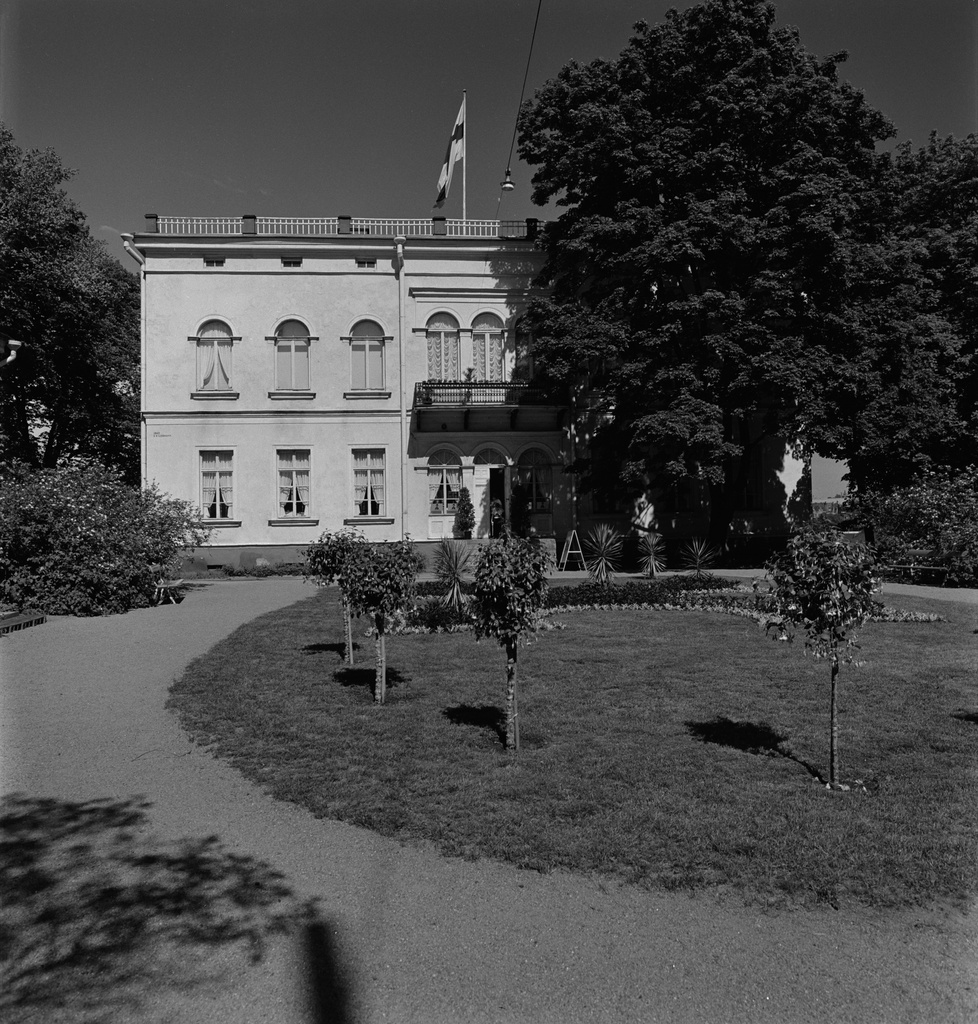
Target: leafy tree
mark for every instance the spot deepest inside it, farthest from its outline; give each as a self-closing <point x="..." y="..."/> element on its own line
<point x="73" y="391"/>
<point x="464" y="515"/>
<point x="80" y="541"/>
<point x="380" y="580"/>
<point x="510" y="590"/>
<point x="326" y="562"/>
<point x="823" y="586"/>
<point x="721" y="274"/>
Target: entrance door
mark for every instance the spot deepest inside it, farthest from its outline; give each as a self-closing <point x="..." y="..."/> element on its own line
<point x="497" y="500"/>
<point x="488" y="484"/>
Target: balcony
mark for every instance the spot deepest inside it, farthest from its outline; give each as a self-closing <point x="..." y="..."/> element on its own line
<point x="483" y="405"/>
<point x="251" y="225"/>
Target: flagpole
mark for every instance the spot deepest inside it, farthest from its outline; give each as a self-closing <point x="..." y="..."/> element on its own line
<point x="465" y="162"/>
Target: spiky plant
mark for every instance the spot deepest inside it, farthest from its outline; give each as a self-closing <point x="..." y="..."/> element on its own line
<point x="452" y="561"/>
<point x="699" y="557"/>
<point x="652" y="553"/>
<point x="602" y="553"/>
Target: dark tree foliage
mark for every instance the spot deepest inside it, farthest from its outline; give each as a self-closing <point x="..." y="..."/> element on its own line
<point x="73" y="391"/>
<point x="724" y="268"/>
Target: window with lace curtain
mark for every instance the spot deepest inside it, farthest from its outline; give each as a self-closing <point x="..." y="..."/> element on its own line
<point x="368" y="482"/>
<point x="487" y="347"/>
<point x="214" y="344"/>
<point x="442" y="338"/>
<point x="217" y="484"/>
<point x="444" y="482"/>
<point x="293" y="483"/>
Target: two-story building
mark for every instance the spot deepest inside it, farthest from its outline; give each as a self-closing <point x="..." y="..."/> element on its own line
<point x="309" y="374"/>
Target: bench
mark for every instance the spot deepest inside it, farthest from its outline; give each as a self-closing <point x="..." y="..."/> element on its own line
<point x="168" y="592"/>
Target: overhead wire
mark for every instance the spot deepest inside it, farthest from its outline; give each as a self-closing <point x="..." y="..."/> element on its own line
<point x="516" y="123"/>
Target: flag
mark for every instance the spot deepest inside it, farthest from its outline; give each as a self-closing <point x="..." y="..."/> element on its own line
<point x="456" y="149"/>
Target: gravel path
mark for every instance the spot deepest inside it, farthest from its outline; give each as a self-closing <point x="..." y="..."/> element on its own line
<point x="430" y="939"/>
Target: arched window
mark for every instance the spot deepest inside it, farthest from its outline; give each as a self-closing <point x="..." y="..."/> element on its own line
<point x="292" y="357"/>
<point x="534" y="475"/>
<point x="444" y="482"/>
<point x="214" y="357"/>
<point x="490" y="457"/>
<point x="487" y="345"/>
<point x="367" y="348"/>
<point x="442" y="336"/>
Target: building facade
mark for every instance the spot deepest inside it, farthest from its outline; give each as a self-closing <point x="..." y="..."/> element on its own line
<point x="310" y="374"/>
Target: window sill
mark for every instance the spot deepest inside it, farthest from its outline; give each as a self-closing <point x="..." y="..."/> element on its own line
<point x="366" y="394"/>
<point x="213" y="524"/>
<point x="293" y="521"/>
<point x="360" y="520"/>
<point x="290" y="396"/>
<point x="214" y="395"/>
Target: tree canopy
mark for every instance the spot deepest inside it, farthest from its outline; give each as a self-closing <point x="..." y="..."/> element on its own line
<point x="728" y="266"/>
<point x="73" y="391"/>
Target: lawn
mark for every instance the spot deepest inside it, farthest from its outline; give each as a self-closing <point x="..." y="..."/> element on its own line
<point x="677" y="750"/>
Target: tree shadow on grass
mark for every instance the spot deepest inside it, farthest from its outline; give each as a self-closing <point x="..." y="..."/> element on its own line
<point x="750" y="737"/>
<point x="965" y="716"/>
<point x="480" y="716"/>
<point x="366" y="676"/>
<point x="337" y="648"/>
<point x="96" y="915"/>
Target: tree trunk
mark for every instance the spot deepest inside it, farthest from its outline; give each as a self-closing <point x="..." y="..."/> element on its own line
<point x="834" y="731"/>
<point x="348" y="627"/>
<point x="512" y="706"/>
<point x="380" y="687"/>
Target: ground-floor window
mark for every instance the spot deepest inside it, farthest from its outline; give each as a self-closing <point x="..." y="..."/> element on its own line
<point x="217" y="484"/>
<point x="293" y="482"/>
<point x="444" y="482"/>
<point x="368" y="482"/>
<point x="534" y="476"/>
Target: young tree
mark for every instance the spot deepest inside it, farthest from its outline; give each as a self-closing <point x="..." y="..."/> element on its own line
<point x="716" y="276"/>
<point x="510" y="586"/>
<point x="73" y="391"/>
<point x="823" y="586"/>
<point x="380" y="580"/>
<point x="326" y="562"/>
<point x="464" y="515"/>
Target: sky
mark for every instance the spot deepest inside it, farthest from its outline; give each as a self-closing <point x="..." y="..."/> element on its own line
<point x="326" y="107"/>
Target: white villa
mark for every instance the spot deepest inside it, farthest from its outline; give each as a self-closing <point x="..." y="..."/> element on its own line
<point x="306" y="374"/>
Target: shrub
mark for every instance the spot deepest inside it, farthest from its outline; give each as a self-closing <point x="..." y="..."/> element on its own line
<point x="452" y="560"/>
<point x="603" y="553"/>
<point x="933" y="521"/>
<point x="79" y="541"/>
<point x="464" y="515"/>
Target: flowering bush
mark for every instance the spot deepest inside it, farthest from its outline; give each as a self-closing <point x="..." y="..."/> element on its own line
<point x="933" y="521"/>
<point x="79" y="541"/>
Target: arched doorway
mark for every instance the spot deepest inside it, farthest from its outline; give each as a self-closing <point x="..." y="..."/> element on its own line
<point x="489" y="491"/>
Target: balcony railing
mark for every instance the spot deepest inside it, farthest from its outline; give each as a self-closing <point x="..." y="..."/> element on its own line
<point x="460" y="393"/>
<point x="319" y="227"/>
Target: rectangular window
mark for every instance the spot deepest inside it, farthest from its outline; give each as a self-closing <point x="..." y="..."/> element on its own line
<point x="366" y="264"/>
<point x="292" y="364"/>
<point x="368" y="364"/>
<point x="213" y="261"/>
<point x="216" y="485"/>
<point x="291" y="262"/>
<point x="368" y="482"/>
<point x="293" y="483"/>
